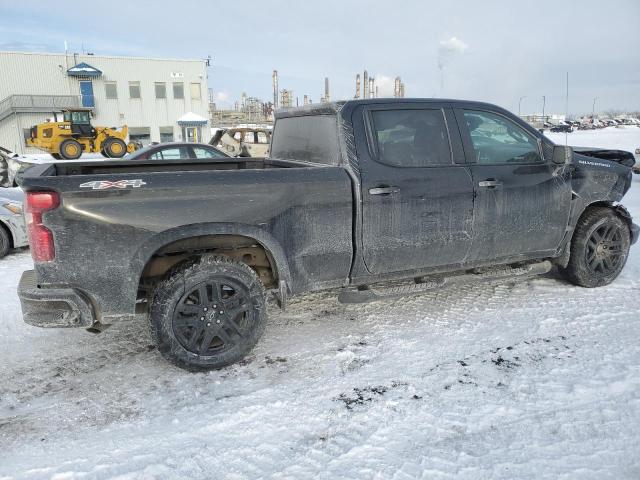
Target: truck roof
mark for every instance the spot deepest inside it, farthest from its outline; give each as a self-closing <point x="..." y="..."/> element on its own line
<point x="330" y="108"/>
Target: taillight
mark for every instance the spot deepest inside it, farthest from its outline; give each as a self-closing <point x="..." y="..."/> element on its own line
<point x="40" y="237"/>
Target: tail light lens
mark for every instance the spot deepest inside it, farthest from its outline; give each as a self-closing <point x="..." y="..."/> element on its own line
<point x="40" y="237"/>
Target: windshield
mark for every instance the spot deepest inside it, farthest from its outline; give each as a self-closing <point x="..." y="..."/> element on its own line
<point x="77" y="117"/>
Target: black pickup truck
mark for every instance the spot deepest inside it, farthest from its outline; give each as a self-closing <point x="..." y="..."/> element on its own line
<point x="408" y="194"/>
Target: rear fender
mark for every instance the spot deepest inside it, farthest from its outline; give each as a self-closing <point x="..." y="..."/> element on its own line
<point x="162" y="239"/>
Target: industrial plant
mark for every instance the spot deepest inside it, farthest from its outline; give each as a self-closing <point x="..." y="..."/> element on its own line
<point x="253" y="110"/>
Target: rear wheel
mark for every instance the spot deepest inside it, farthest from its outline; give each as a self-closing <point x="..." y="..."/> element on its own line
<point x="5" y="242"/>
<point x="114" y="148"/>
<point x="209" y="314"/>
<point x="70" y="149"/>
<point x="599" y="248"/>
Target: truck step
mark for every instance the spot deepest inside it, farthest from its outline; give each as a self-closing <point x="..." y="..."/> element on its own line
<point x="428" y="283"/>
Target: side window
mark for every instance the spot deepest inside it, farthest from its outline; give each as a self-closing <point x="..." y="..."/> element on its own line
<point x="411" y="137"/>
<point x="249" y="137"/>
<point x="206" y="153"/>
<point x="497" y="139"/>
<point x="170" y="154"/>
<point x="262" y="137"/>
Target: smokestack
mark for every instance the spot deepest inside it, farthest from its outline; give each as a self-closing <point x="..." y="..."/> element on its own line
<point x="365" y="92"/>
<point x="327" y="97"/>
<point x="275" y="89"/>
<point x="357" y="86"/>
<point x="372" y="82"/>
<point x="396" y="87"/>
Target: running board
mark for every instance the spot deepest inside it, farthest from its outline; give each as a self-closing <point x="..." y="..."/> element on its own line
<point x="428" y="283"/>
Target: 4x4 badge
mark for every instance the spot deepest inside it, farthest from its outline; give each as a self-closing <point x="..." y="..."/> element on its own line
<point x="105" y="184"/>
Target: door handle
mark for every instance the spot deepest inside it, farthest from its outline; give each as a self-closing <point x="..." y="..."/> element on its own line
<point x="383" y="190"/>
<point x="490" y="183"/>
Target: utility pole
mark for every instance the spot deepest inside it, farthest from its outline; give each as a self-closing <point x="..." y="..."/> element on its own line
<point x="593" y="109"/>
<point x="520" y="102"/>
<point x="544" y="101"/>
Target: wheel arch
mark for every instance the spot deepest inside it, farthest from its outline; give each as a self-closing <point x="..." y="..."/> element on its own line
<point x="6" y="228"/>
<point x="199" y="239"/>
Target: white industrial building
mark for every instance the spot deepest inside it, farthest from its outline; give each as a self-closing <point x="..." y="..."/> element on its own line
<point x="159" y="99"/>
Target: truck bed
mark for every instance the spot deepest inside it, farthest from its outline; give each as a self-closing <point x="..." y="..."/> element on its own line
<point x="73" y="168"/>
<point x="116" y="216"/>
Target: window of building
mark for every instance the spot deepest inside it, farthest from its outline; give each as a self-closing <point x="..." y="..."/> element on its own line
<point x="140" y="134"/>
<point x="497" y="139"/>
<point x="166" y="134"/>
<point x="178" y="90"/>
<point x="161" y="90"/>
<point x="202" y="152"/>
<point x="173" y="153"/>
<point x="196" y="92"/>
<point x="111" y="90"/>
<point x="411" y="137"/>
<point x="134" y="89"/>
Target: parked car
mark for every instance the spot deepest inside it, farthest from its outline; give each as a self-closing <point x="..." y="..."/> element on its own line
<point x="562" y="128"/>
<point x="427" y="192"/>
<point x="176" y="151"/>
<point x="246" y="141"/>
<point x="11" y="165"/>
<point x="13" y="233"/>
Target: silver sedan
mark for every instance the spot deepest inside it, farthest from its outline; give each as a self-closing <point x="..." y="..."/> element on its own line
<point x="13" y="232"/>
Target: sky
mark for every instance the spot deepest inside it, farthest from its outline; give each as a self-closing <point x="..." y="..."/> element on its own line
<point x="495" y="51"/>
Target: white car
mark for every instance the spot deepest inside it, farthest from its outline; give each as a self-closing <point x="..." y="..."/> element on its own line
<point x="13" y="233"/>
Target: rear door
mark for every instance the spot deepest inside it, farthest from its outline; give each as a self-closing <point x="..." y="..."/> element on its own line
<point x="522" y="199"/>
<point x="417" y="193"/>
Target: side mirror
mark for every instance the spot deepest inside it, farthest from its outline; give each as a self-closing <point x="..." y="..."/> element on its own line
<point x="562" y="155"/>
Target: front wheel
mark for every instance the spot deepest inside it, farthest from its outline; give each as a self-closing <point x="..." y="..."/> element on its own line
<point x="114" y="148"/>
<point x="5" y="242"/>
<point x="599" y="248"/>
<point x="209" y="314"/>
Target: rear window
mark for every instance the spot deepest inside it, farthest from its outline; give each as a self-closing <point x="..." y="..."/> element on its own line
<point x="312" y="138"/>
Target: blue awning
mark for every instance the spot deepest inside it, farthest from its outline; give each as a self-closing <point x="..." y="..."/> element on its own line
<point x="84" y="70"/>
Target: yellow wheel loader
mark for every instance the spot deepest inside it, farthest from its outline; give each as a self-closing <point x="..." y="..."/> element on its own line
<point x="75" y="135"/>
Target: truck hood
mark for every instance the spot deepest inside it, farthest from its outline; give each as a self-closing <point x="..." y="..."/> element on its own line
<point x="621" y="157"/>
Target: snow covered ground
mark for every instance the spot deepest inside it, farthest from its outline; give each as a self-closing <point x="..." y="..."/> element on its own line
<point x="538" y="379"/>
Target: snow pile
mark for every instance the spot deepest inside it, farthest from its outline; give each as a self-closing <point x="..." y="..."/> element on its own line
<point x="538" y="379"/>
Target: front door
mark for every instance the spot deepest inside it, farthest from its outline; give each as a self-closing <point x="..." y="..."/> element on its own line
<point x="522" y="200"/>
<point x="417" y="194"/>
<point x="86" y="92"/>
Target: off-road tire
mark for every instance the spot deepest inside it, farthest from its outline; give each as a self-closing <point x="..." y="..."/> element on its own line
<point x="70" y="149"/>
<point x="5" y="241"/>
<point x="580" y="270"/>
<point x="178" y="311"/>
<point x="114" y="148"/>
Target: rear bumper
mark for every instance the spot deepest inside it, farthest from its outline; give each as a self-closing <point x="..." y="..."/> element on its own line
<point x="53" y="307"/>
